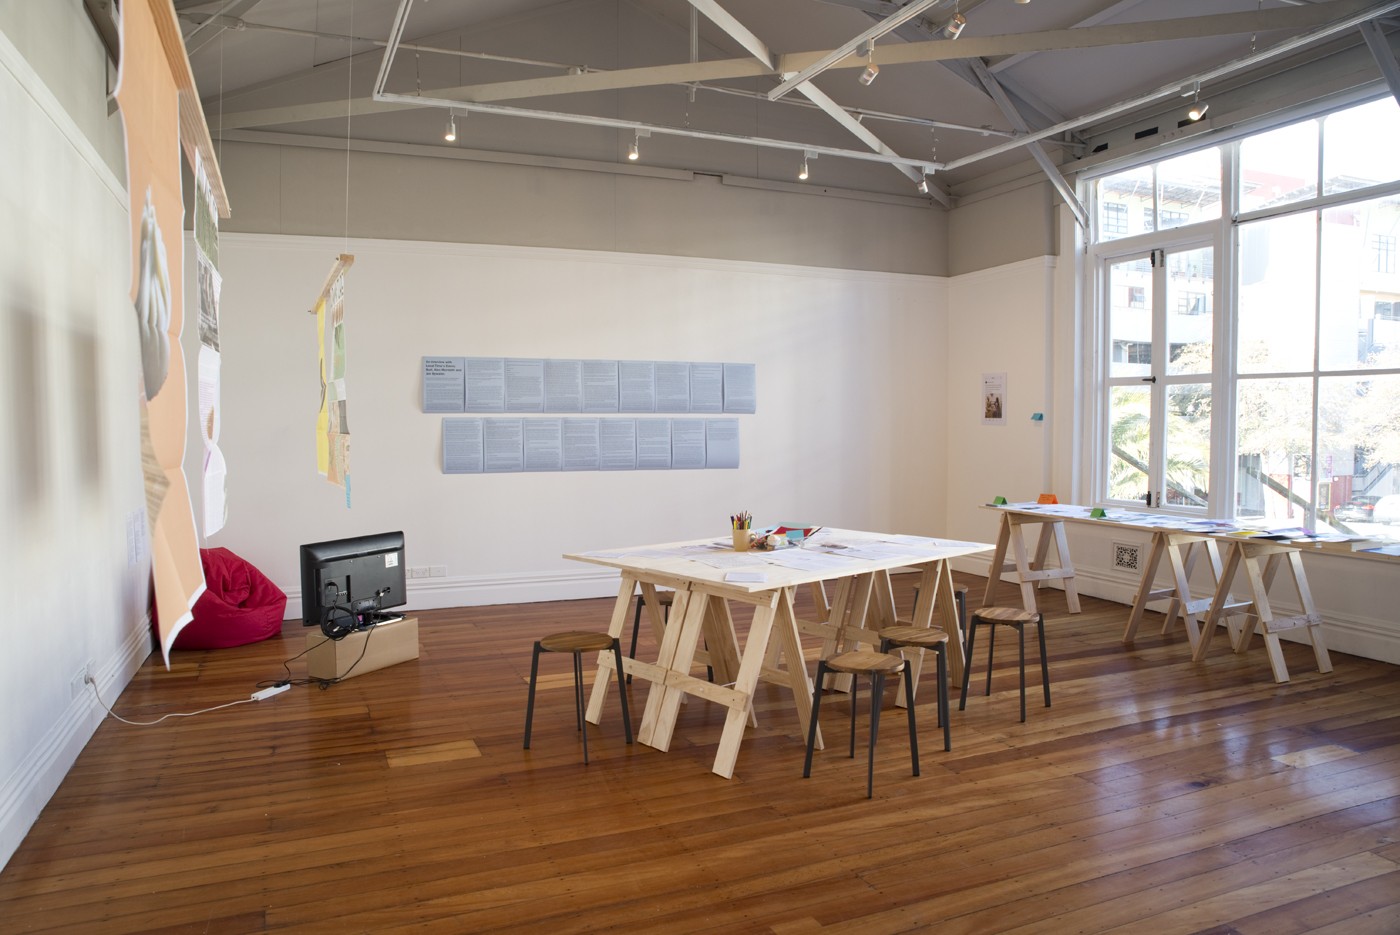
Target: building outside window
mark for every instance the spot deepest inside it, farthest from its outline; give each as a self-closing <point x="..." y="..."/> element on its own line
<point x="1272" y="390"/>
<point x="1384" y="247"/>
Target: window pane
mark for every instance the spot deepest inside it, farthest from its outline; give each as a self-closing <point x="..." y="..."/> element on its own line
<point x="1188" y="189"/>
<point x="1274" y="422"/>
<point x="1279" y="167"/>
<point x="1277" y="293"/>
<point x="1130" y="318"/>
<point x="1190" y="296"/>
<point x="1129" y="433"/>
<point x="1188" y="445"/>
<point x="1121" y="197"/>
<point x="1359" y="454"/>
<point x="1360" y="286"/>
<point x="1359" y="146"/>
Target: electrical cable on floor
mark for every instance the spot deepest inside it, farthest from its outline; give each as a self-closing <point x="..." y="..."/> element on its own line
<point x="114" y="714"/>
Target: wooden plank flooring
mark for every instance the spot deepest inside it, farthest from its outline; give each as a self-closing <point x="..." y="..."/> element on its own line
<point x="1156" y="795"/>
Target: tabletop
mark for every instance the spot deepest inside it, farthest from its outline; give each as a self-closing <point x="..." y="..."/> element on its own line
<point x="829" y="553"/>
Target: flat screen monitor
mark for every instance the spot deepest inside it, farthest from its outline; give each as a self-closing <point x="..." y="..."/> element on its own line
<point x="348" y="583"/>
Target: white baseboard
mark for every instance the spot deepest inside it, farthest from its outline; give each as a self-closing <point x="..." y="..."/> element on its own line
<point x="34" y="781"/>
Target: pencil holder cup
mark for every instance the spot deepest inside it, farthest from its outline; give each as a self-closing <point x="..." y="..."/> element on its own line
<point x="741" y="540"/>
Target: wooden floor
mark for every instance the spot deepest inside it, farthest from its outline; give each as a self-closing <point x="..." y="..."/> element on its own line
<point x="1155" y="796"/>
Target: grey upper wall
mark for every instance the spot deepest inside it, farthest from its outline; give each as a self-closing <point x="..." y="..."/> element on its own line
<point x="301" y="189"/>
<point x="1015" y="224"/>
<point x="49" y="33"/>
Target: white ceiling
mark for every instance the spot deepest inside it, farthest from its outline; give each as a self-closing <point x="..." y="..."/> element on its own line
<point x="280" y="66"/>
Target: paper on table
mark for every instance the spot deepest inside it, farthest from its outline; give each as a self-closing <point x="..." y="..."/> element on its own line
<point x="754" y="576"/>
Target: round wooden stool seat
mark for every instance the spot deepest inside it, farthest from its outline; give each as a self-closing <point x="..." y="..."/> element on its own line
<point x="877" y="666"/>
<point x="914" y="636"/>
<point x="1018" y="619"/>
<point x="865" y="662"/>
<point x="586" y="641"/>
<point x="576" y="643"/>
<point x="1005" y="615"/>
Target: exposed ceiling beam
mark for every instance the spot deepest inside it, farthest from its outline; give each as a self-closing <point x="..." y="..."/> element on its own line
<point x="886" y="25"/>
<point x="735" y="29"/>
<point x="759" y="50"/>
<point x="1194" y="27"/>
<point x="206" y="32"/>
<point x="1105" y="10"/>
<point x="1283" y="48"/>
<point x="1383" y="54"/>
<point x="1037" y="150"/>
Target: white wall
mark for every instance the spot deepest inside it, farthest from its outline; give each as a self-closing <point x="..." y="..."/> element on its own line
<point x="74" y="567"/>
<point x="851" y="403"/>
<point x="1022" y="318"/>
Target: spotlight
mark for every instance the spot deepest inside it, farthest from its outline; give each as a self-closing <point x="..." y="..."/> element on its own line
<point x="870" y="73"/>
<point x="802" y="173"/>
<point x="632" y="152"/>
<point x="1198" y="110"/>
<point x="923" y="186"/>
<point x="954" y="27"/>
<point x="451" y="133"/>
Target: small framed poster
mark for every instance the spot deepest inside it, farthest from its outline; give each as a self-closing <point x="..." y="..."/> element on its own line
<point x="994" y="399"/>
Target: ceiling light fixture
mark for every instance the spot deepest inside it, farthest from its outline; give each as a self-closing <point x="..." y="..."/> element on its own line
<point x="451" y="133"/>
<point x="632" y="152"/>
<point x="923" y="186"/>
<point x="1198" y="110"/>
<point x="872" y="71"/>
<point x="802" y="173"/>
<point x="954" y="27"/>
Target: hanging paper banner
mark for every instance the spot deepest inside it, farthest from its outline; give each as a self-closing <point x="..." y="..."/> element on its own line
<point x="148" y="97"/>
<point x="206" y="240"/>
<point x="332" y="423"/>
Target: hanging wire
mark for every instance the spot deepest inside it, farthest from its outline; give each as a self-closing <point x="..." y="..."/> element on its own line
<point x="349" y="108"/>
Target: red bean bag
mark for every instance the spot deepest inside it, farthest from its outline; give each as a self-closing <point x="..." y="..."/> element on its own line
<point x="240" y="605"/>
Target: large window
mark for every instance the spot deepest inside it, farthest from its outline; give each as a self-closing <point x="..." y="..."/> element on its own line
<point x="1272" y="390"/>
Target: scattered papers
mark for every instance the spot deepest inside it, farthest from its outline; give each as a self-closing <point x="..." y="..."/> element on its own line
<point x="756" y="577"/>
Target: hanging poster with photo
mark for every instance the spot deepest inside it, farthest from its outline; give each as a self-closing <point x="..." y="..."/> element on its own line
<point x="994" y="399"/>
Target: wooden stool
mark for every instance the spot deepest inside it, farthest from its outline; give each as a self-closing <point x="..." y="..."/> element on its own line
<point x="877" y="666"/>
<point x="664" y="599"/>
<point x="576" y="642"/>
<point x="959" y="597"/>
<point x="925" y="638"/>
<point x="1007" y="617"/>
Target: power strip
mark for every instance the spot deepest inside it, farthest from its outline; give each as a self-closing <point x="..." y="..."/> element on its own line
<point x="266" y="693"/>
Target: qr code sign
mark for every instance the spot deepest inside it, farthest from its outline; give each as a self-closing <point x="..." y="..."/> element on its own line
<point x="1125" y="556"/>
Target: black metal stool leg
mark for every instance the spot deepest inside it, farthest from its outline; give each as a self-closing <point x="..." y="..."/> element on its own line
<point x="622" y="689"/>
<point x="1021" y="634"/>
<point x="1044" y="663"/>
<point x="636" y="624"/>
<point x="942" y="651"/>
<point x="967" y="664"/>
<point x="991" y="651"/>
<point x="855" y="697"/>
<point x="877" y="693"/>
<point x="812" y="727"/>
<point x="578" y="701"/>
<point x="530" y="705"/>
<point x="909" y="704"/>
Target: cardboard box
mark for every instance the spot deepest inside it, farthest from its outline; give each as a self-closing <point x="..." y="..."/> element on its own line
<point x="385" y="644"/>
